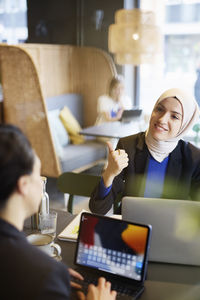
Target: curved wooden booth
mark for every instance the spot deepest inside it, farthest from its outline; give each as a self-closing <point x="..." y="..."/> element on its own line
<point x="30" y="73"/>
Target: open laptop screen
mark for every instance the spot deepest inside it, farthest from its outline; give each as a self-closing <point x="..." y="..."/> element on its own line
<point x="131" y="115"/>
<point x="112" y="245"/>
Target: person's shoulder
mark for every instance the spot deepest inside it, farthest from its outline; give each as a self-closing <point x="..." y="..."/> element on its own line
<point x="127" y="102"/>
<point x="33" y="265"/>
<point x="105" y="101"/>
<point x="103" y="98"/>
<point x="132" y="140"/>
<point x="42" y="262"/>
<point x="195" y="150"/>
<point x="133" y="136"/>
<point x="190" y="150"/>
<point x="54" y="274"/>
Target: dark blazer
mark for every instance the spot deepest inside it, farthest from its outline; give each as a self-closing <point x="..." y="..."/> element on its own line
<point x="26" y="272"/>
<point x="182" y="180"/>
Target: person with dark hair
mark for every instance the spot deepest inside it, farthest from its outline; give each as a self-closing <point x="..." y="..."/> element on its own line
<point x="26" y="272"/>
<point x="156" y="163"/>
<point x="111" y="106"/>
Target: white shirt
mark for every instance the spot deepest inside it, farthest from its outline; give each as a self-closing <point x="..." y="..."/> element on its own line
<point x="106" y="104"/>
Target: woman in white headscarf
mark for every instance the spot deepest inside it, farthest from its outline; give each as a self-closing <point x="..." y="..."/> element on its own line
<point x="155" y="163"/>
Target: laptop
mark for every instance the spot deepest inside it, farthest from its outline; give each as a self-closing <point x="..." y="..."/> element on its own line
<point x="131" y="115"/>
<point x="175" y="227"/>
<point x="115" y="249"/>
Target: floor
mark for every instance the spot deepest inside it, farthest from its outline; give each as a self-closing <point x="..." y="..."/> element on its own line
<point x="58" y="200"/>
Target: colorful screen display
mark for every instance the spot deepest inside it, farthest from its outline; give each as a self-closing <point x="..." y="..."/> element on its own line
<point x="112" y="245"/>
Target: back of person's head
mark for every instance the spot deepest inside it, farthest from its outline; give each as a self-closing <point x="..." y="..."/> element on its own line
<point x="116" y="80"/>
<point x="16" y="159"/>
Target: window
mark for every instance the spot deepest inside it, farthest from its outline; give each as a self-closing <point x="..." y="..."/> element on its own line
<point x="13" y="21"/>
<point x="179" y="64"/>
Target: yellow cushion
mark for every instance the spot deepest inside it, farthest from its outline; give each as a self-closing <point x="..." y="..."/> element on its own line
<point x="71" y="125"/>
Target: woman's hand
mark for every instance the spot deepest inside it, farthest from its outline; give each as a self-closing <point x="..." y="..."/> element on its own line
<point x="100" y="292"/>
<point x="118" y="116"/>
<point x="76" y="275"/>
<point x="117" y="161"/>
<point x="119" y="113"/>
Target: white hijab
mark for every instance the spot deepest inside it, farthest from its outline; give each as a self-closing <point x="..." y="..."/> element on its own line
<point x="161" y="149"/>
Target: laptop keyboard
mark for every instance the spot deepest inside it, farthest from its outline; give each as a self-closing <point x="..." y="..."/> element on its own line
<point x="119" y="288"/>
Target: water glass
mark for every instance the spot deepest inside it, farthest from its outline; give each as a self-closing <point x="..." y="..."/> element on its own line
<point x="48" y="223"/>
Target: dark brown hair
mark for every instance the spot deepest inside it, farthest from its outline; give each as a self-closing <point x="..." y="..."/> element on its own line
<point x="16" y="159"/>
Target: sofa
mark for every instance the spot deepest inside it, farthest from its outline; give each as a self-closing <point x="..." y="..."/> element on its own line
<point x="73" y="157"/>
<point x="37" y="79"/>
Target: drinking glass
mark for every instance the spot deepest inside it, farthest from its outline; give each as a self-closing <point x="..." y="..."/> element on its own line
<point x="48" y="223"/>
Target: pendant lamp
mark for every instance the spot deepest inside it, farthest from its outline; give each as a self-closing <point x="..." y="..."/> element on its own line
<point x="134" y="38"/>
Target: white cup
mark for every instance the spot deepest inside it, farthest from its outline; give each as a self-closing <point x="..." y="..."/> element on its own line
<point x="45" y="243"/>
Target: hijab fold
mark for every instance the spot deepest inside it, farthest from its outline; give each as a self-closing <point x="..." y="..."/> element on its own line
<point x="161" y="149"/>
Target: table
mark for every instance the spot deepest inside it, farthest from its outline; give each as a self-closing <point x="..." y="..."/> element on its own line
<point x="164" y="281"/>
<point x="112" y="129"/>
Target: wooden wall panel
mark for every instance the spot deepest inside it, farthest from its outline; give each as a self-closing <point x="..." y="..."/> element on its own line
<point x="70" y="69"/>
<point x="24" y="105"/>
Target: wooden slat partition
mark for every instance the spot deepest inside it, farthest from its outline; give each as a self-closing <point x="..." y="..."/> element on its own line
<point x="70" y="69"/>
<point x="24" y="104"/>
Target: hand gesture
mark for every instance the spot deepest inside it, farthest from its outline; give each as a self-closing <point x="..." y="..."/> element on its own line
<point x="100" y="292"/>
<point x="119" y="113"/>
<point x="117" y="161"/>
<point x="76" y="275"/>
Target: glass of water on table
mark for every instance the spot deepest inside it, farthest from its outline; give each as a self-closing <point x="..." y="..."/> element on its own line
<point x="48" y="223"/>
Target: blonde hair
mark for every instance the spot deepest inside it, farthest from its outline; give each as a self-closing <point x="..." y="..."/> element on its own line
<point x="113" y="82"/>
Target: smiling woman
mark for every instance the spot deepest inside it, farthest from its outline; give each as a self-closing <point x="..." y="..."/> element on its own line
<point x="170" y="120"/>
<point x="166" y="119"/>
<point x="156" y="163"/>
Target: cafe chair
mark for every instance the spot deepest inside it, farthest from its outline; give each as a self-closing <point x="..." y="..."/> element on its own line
<point x="78" y="184"/>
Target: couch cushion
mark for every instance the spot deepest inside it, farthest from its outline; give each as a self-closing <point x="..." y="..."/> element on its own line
<point x="71" y="125"/>
<point x="59" y="134"/>
<point x="73" y="101"/>
<point x="76" y="156"/>
<point x="57" y="127"/>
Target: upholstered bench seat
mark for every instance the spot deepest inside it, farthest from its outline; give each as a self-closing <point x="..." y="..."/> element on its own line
<point x="84" y="154"/>
<point x="73" y="157"/>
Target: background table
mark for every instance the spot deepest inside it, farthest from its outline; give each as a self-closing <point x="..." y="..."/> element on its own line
<point x="164" y="281"/>
<point x="112" y="129"/>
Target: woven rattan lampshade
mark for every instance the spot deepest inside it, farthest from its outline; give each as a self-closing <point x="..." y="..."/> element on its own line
<point x="134" y="38"/>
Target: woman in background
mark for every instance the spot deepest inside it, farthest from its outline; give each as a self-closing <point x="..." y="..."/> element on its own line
<point x="26" y="272"/>
<point x="111" y="106"/>
<point x="156" y="163"/>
